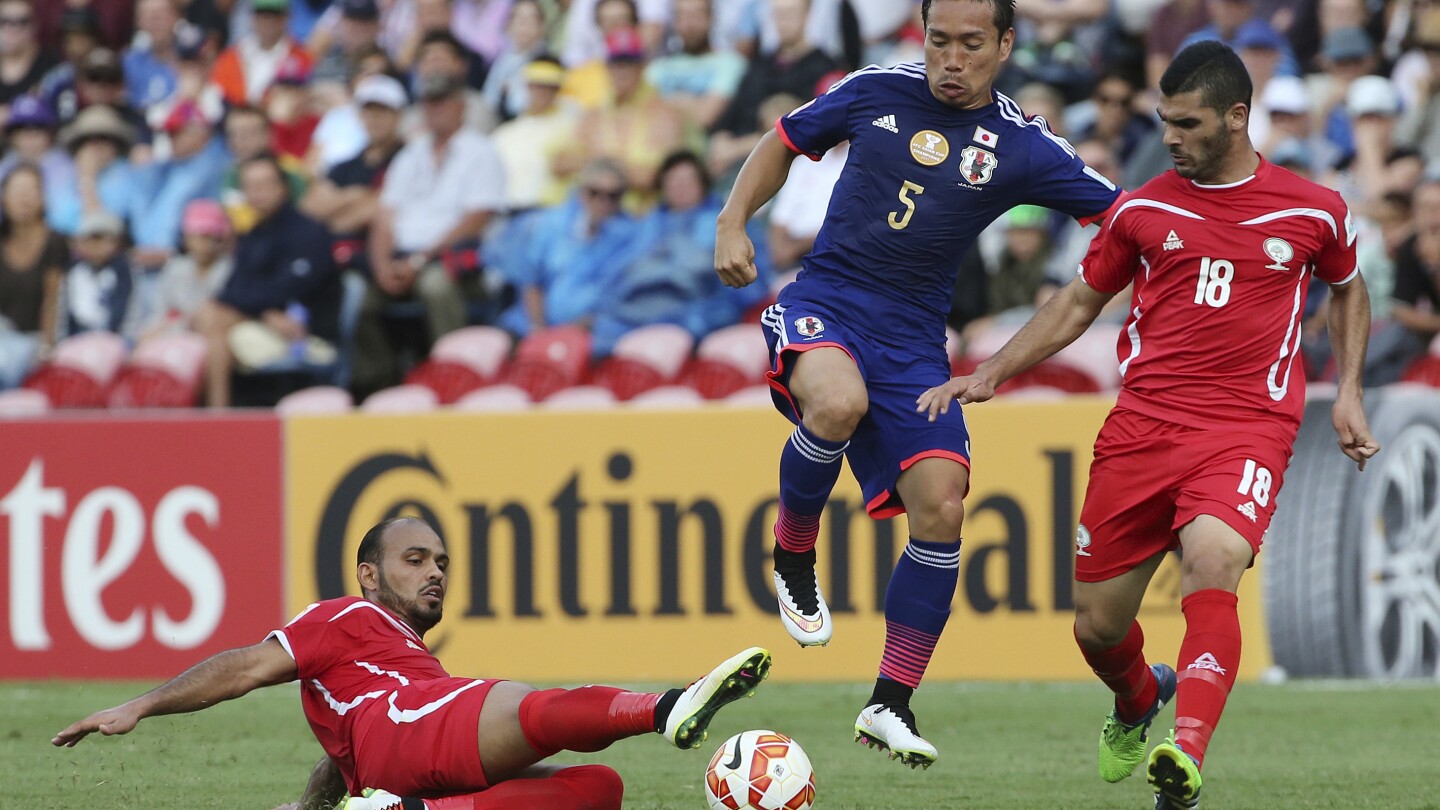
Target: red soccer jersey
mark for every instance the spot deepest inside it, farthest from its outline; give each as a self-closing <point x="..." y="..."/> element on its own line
<point x="353" y="657"/>
<point x="1220" y="277"/>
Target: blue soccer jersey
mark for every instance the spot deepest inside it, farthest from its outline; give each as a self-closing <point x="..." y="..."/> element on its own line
<point x="921" y="182"/>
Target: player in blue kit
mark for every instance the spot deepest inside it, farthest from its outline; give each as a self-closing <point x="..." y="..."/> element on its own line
<point x="935" y="157"/>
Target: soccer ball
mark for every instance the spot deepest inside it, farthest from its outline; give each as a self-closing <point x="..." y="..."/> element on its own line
<point x="760" y="770"/>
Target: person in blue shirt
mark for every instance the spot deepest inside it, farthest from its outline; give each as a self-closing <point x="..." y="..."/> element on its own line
<point x="194" y="170"/>
<point x="935" y="156"/>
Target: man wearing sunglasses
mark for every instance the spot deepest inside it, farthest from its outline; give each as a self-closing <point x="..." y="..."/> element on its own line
<point x="22" y="62"/>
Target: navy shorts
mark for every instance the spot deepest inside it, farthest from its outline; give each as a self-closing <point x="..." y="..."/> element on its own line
<point x="891" y="436"/>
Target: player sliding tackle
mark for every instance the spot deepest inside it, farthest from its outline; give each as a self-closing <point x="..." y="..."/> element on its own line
<point x="1195" y="450"/>
<point x="935" y="156"/>
<point x="431" y="741"/>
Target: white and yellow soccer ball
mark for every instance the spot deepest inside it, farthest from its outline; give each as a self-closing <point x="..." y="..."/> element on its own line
<point x="760" y="770"/>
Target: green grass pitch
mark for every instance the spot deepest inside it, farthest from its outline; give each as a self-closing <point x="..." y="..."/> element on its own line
<point x="1321" y="745"/>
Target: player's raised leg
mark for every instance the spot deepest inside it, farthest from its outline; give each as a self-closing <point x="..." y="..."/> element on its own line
<point x="1113" y="645"/>
<point x="1215" y="557"/>
<point x="829" y="395"/>
<point x="917" y="606"/>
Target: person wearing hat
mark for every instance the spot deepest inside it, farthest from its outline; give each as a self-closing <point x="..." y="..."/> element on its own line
<point x="1346" y="55"/>
<point x="30" y="138"/>
<point x="528" y="144"/>
<point x="343" y="31"/>
<point x="246" y="69"/>
<point x="23" y="63"/>
<point x="194" y="169"/>
<point x="1372" y="109"/>
<point x="347" y="198"/>
<point x="150" y="61"/>
<point x="287" y="103"/>
<point x="1228" y="19"/>
<point x="99" y="291"/>
<point x="504" y="87"/>
<point x="195" y="275"/>
<point x="100" y="80"/>
<point x="1420" y="125"/>
<point x="195" y="49"/>
<point x="588" y="82"/>
<point x="439" y="195"/>
<point x="99" y="141"/>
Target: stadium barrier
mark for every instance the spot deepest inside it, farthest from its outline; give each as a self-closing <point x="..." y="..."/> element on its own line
<point x="624" y="545"/>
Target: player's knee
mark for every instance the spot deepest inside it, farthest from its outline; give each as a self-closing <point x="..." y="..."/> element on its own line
<point x="1205" y="570"/>
<point x="833" y="415"/>
<point x="600" y="785"/>
<point x="1094" y="630"/>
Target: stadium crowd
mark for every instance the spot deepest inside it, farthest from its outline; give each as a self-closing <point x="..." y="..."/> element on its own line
<point x="318" y="191"/>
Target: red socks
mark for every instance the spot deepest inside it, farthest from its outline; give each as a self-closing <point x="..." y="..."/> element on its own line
<point x="584" y="719"/>
<point x="581" y="787"/>
<point x="1123" y="669"/>
<point x="1209" y="659"/>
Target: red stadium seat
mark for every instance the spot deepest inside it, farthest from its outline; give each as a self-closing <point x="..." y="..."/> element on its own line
<point x="180" y="354"/>
<point x="1423" y="370"/>
<point x="81" y="370"/>
<point x="754" y="396"/>
<point x="1050" y="374"/>
<point x="448" y="379"/>
<point x="668" y="396"/>
<point x="550" y="360"/>
<point x="148" y="387"/>
<point x="22" y="402"/>
<point x="500" y="397"/>
<point x="401" y="399"/>
<point x="66" y="387"/>
<point x="580" y="398"/>
<point x="664" y="347"/>
<point x="714" y="379"/>
<point x="728" y="360"/>
<point x="1093" y="353"/>
<point x="320" y="399"/>
<point x="627" y="378"/>
<point x="482" y="349"/>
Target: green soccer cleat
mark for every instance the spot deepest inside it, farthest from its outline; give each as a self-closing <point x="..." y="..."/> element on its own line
<point x="1122" y="747"/>
<point x="735" y="678"/>
<point x="1175" y="777"/>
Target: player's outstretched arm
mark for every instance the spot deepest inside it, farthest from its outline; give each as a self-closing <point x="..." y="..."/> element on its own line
<point x="760" y="179"/>
<point x="1063" y="318"/>
<point x="220" y="677"/>
<point x="1349" y="334"/>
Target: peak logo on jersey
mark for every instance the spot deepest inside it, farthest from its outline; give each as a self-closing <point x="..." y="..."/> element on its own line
<point x="985" y="137"/>
<point x="1247" y="509"/>
<point x="1082" y="541"/>
<point x="1207" y="661"/>
<point x="977" y="166"/>
<point x="929" y="148"/>
<point x="809" y="326"/>
<point x="1280" y="251"/>
<point x="886" y="122"/>
<point x="1172" y="242"/>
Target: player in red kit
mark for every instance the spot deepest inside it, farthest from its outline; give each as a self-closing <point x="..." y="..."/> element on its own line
<point x="397" y="728"/>
<point x="1220" y="252"/>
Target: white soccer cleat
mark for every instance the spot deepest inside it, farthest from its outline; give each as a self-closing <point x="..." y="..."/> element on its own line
<point x="803" y="611"/>
<point x="735" y="678"/>
<point x="892" y="729"/>
<point x="372" y="800"/>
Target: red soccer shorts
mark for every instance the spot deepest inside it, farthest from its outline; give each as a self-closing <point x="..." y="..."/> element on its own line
<point x="424" y="740"/>
<point x="1150" y="478"/>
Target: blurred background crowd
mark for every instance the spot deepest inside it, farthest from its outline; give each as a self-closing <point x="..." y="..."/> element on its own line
<point x="318" y="191"/>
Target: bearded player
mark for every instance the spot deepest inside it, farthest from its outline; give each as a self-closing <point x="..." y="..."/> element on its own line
<point x="1220" y="251"/>
<point x="935" y="156"/>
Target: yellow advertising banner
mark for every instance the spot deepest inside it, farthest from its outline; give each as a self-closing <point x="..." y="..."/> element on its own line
<point x="626" y="546"/>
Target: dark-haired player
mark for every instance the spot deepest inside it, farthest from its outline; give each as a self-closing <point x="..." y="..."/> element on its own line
<point x="1221" y="251"/>
<point x="935" y="156"/>
<point x="367" y="677"/>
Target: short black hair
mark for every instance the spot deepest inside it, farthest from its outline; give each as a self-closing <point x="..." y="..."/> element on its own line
<point x="1004" y="16"/>
<point x="372" y="545"/>
<point x="1213" y="69"/>
<point x="634" y="9"/>
<point x="682" y="157"/>
<point x="442" y="37"/>
<point x="269" y="159"/>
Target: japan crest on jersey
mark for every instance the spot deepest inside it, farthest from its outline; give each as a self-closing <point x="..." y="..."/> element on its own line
<point x="809" y="326"/>
<point x="977" y="165"/>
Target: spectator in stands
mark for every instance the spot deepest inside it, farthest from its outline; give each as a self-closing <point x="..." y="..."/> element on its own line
<point x="575" y="254"/>
<point x="795" y="67"/>
<point x="1416" y="305"/>
<point x="1316" y="21"/>
<point x="340" y="135"/>
<point x="287" y="105"/>
<point x="22" y="62"/>
<point x="30" y="138"/>
<point x="1227" y="19"/>
<point x="195" y="52"/>
<point x="1285" y="103"/>
<point x="799" y="208"/>
<point x="505" y="87"/>
<point x="347" y="199"/>
<point x="100" y="288"/>
<point x="195" y="169"/>
<point x="1040" y="100"/>
<point x="587" y="22"/>
<point x="1420" y="126"/>
<point x="440" y="193"/>
<point x="151" y="72"/>
<point x="116" y="21"/>
<point x="101" y="80"/>
<point x="33" y="259"/>
<point x="1116" y="119"/>
<point x="635" y="128"/>
<point x="1347" y="55"/>
<point x="699" y="81"/>
<point x="1020" y="282"/>
<point x="671" y="275"/>
<point x="195" y="275"/>
<point x="99" y="140"/>
<point x="247" y="68"/>
<point x="588" y="81"/>
<point x="283" y="278"/>
<point x="1173" y="22"/>
<point x="529" y="145"/>
<point x="248" y="135"/>
<point x="1372" y="108"/>
<point x="442" y="55"/>
<point x="439" y="17"/>
<point x="1260" y="48"/>
<point x="80" y="34"/>
<point x="1047" y="52"/>
<point x="357" y="27"/>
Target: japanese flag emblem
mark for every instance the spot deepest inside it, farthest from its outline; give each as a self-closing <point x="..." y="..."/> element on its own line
<point x="977" y="165"/>
<point x="809" y="326"/>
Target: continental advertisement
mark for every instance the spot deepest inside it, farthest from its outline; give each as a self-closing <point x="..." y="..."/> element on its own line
<point x="624" y="546"/>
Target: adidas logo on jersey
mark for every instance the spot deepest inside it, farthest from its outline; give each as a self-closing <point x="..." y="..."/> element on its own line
<point x="1172" y="242"/>
<point x="1207" y="661"/>
<point x="1247" y="509"/>
<point x="886" y="122"/>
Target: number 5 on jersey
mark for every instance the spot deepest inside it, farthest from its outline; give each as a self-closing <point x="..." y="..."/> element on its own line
<point x="899" y="220"/>
<point x="1214" y="286"/>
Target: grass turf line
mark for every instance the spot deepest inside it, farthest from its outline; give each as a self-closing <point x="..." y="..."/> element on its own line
<point x="1001" y="746"/>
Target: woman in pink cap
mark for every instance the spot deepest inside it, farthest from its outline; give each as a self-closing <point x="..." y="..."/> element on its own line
<point x="194" y="276"/>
